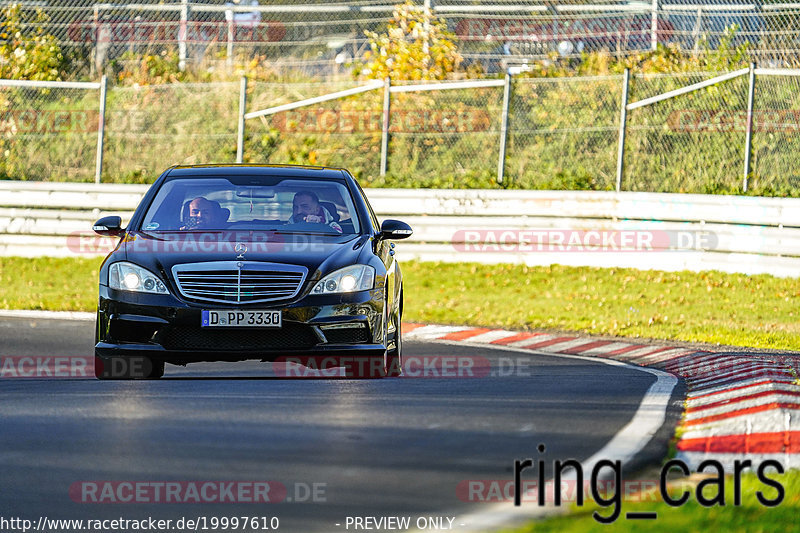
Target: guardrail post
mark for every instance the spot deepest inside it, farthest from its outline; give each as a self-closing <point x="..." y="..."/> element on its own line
<point x="387" y="105"/>
<point x="183" y="34"/>
<point x="240" y="131"/>
<point x="748" y="140"/>
<point x="623" y="126"/>
<point x="501" y="162"/>
<point x="101" y="130"/>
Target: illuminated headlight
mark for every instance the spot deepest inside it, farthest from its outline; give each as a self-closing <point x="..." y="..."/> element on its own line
<point x="348" y="279"/>
<point x="129" y="277"/>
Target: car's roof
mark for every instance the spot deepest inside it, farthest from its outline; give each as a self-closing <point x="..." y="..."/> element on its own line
<point x="294" y="171"/>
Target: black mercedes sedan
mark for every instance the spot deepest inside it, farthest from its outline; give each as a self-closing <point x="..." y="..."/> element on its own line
<point x="233" y="262"/>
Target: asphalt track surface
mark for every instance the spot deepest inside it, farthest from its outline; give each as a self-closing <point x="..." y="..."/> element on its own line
<point x="392" y="447"/>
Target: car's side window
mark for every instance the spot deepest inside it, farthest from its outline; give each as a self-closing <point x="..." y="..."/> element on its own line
<point x="373" y="219"/>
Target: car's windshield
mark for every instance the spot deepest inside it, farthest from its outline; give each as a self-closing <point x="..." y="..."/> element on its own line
<point x="253" y="203"/>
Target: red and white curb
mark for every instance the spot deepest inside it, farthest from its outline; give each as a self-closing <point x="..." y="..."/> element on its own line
<point x="737" y="406"/>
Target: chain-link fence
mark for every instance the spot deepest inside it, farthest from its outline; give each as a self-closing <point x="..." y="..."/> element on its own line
<point x="684" y="144"/>
<point x="563" y="132"/>
<point x="49" y="130"/>
<point x="323" y="36"/>
<point x="682" y="132"/>
<point x="697" y="141"/>
<point x="449" y="135"/>
<point x="343" y="132"/>
<point x="153" y="125"/>
<point x="776" y="133"/>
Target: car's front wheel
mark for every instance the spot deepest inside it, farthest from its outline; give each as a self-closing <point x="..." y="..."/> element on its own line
<point x="394" y="356"/>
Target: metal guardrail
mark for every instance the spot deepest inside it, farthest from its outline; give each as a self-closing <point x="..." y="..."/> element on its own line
<point x="693" y="232"/>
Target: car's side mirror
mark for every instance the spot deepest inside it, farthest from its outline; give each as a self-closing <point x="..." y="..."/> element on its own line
<point x="395" y="229"/>
<point x="108" y="226"/>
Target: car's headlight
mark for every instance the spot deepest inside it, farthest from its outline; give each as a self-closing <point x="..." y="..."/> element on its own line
<point x="129" y="277"/>
<point x="348" y="279"/>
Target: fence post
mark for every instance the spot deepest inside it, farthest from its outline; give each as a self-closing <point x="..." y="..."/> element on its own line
<point x="242" y="109"/>
<point x="748" y="140"/>
<point x="101" y="130"/>
<point x="501" y="162"/>
<point x="387" y="103"/>
<point x="426" y="26"/>
<point x="623" y="126"/>
<point x="654" y="27"/>
<point x="229" y="59"/>
<point x="183" y="34"/>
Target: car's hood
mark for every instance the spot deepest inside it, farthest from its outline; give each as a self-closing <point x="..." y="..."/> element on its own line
<point x="162" y="250"/>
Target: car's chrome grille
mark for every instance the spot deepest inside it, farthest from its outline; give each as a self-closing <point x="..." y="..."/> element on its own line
<point x="239" y="281"/>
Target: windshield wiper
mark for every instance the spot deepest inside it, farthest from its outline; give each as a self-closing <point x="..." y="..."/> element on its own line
<point x="286" y="232"/>
<point x="181" y="231"/>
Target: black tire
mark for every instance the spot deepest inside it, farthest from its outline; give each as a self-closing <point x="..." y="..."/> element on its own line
<point x="394" y="357"/>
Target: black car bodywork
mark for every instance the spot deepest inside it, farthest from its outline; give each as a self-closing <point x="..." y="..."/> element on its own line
<point x="157" y="328"/>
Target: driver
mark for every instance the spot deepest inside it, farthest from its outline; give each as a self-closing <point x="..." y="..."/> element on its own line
<point x="306" y="208"/>
<point x="203" y="214"/>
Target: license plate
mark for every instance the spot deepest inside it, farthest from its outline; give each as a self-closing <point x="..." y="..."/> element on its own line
<point x="216" y="318"/>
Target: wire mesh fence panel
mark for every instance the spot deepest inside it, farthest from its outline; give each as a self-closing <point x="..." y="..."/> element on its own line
<point x="563" y="132"/>
<point x="345" y="132"/>
<point x="690" y="143"/>
<point x="322" y="37"/>
<point x="651" y="85"/>
<point x="776" y="135"/>
<point x="693" y="26"/>
<point x="503" y="36"/>
<point x="779" y="45"/>
<point x="48" y="133"/>
<point x="263" y="95"/>
<point x="150" y="128"/>
<point x="445" y="137"/>
<point x="206" y="31"/>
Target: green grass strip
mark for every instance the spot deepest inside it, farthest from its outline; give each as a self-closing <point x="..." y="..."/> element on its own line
<point x="714" y="307"/>
<point x="49" y="283"/>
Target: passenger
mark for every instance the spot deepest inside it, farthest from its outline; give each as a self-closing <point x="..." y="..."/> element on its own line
<point x="306" y="208"/>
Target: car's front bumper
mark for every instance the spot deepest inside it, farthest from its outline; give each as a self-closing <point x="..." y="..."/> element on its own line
<point x="167" y="328"/>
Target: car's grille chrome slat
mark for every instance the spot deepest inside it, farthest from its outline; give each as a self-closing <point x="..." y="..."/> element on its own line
<point x="239" y="282"/>
<point x="239" y="285"/>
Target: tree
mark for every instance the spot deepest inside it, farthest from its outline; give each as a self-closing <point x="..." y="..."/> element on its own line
<point x="27" y="52"/>
<point x="415" y="46"/>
